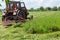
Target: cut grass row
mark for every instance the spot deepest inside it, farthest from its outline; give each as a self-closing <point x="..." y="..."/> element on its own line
<point x="18" y="34"/>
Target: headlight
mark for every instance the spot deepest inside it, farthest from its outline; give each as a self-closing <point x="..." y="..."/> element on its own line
<point x="14" y="13"/>
<point x="3" y="14"/>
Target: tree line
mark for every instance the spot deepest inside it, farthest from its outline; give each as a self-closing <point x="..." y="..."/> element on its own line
<point x="45" y="9"/>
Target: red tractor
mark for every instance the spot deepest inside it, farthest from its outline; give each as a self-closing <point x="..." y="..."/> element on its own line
<point x="15" y="12"/>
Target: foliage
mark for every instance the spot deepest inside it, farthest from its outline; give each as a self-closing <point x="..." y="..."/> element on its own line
<point x="6" y="1"/>
<point x="41" y="8"/>
<point x="32" y="9"/>
<point x="48" y="9"/>
<point x="0" y="5"/>
<point x="58" y="8"/>
<point x="54" y="8"/>
<point x="45" y="9"/>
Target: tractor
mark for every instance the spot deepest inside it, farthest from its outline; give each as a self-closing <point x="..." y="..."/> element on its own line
<point x="15" y="12"/>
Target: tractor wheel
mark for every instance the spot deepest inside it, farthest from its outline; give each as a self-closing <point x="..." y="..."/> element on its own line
<point x="9" y="18"/>
<point x="3" y="18"/>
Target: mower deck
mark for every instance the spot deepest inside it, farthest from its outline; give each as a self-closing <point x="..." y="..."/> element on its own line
<point x="7" y="23"/>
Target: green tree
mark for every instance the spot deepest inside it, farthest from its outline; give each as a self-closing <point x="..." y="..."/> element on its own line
<point x="38" y="9"/>
<point x="41" y="8"/>
<point x="54" y="8"/>
<point x="32" y="9"/>
<point x="58" y="8"/>
<point x="48" y="9"/>
<point x="0" y="5"/>
<point x="6" y="1"/>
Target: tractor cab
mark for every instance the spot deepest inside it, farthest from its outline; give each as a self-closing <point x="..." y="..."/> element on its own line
<point x="12" y="5"/>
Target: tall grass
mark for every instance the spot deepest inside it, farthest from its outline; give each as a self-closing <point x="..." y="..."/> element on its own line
<point x="43" y="22"/>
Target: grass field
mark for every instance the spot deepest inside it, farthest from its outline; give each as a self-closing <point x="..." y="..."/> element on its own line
<point x="44" y="26"/>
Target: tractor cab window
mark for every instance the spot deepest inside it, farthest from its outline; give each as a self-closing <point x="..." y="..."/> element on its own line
<point x="22" y="5"/>
<point x="11" y="5"/>
<point x="18" y="5"/>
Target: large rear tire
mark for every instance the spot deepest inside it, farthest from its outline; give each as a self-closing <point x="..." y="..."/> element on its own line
<point x="3" y="18"/>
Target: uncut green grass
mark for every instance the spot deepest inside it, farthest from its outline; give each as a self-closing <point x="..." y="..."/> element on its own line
<point x="44" y="22"/>
<point x="41" y="20"/>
